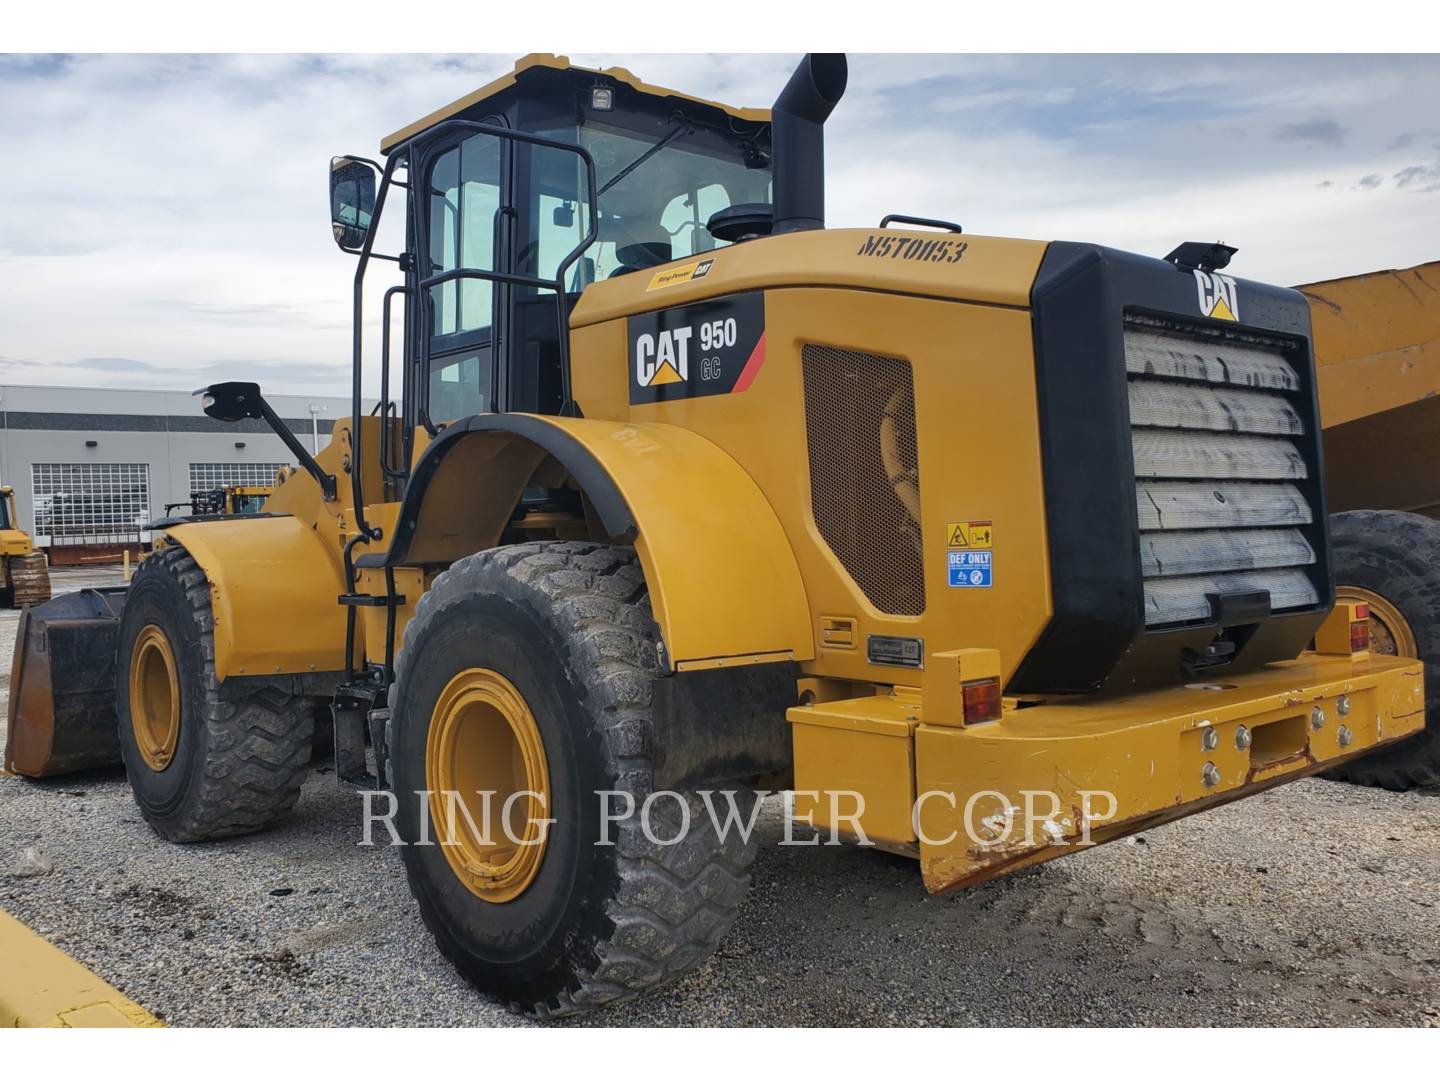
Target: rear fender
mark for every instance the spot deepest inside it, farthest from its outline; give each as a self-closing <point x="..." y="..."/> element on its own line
<point x="724" y="584"/>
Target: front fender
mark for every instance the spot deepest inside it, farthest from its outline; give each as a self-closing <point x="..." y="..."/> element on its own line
<point x="274" y="592"/>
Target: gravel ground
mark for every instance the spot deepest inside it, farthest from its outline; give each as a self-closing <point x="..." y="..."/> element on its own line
<point x="1316" y="903"/>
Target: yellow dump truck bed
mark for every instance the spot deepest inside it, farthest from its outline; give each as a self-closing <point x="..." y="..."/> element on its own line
<point x="1377" y="353"/>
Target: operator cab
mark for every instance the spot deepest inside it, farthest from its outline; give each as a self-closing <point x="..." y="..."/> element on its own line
<point x="664" y="165"/>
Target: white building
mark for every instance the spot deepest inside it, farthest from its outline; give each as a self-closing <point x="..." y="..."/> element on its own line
<point x="91" y="466"/>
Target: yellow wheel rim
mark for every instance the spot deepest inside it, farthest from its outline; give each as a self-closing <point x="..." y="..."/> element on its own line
<point x="154" y="698"/>
<point x="484" y="752"/>
<point x="1390" y="633"/>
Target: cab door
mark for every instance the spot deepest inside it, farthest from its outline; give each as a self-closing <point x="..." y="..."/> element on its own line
<point x="466" y="218"/>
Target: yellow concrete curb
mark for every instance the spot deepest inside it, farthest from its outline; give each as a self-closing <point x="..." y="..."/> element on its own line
<point x="42" y="987"/>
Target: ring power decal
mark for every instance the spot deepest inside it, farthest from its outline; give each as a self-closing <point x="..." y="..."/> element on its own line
<point x="697" y="350"/>
<point x="1219" y="297"/>
<point x="895" y="651"/>
<point x="679" y="275"/>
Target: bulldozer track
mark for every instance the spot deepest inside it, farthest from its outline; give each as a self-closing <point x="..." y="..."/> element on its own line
<point x="29" y="579"/>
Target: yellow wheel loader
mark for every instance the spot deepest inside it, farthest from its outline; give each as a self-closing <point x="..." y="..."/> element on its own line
<point x="1377" y="351"/>
<point x="987" y="549"/>
<point x="25" y="581"/>
<point x="232" y="500"/>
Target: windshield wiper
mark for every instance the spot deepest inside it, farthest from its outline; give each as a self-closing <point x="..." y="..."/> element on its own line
<point x="675" y="133"/>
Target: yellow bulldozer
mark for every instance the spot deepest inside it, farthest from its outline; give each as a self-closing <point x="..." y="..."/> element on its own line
<point x="986" y="549"/>
<point x="25" y="580"/>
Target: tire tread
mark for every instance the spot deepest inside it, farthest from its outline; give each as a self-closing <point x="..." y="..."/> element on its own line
<point x="257" y="736"/>
<point x="674" y="903"/>
<point x="1397" y="554"/>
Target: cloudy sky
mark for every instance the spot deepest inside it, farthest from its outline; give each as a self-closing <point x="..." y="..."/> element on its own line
<point x="163" y="219"/>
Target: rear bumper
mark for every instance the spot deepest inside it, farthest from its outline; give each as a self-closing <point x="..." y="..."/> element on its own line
<point x="1052" y="779"/>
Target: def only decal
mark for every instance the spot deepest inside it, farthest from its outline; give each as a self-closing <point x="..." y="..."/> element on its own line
<point x="697" y="350"/>
<point x="970" y="569"/>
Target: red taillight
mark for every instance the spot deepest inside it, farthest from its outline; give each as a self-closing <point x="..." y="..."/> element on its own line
<point x="1360" y="634"/>
<point x="982" y="700"/>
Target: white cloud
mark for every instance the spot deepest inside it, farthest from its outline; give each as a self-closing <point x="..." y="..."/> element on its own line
<point x="164" y="216"/>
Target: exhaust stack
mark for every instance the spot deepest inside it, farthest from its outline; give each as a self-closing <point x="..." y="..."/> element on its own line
<point x="797" y="140"/>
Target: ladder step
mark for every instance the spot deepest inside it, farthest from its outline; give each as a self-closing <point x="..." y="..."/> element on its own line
<point x="366" y="600"/>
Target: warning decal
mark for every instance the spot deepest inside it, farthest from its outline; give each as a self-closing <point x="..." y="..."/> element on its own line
<point x="970" y="569"/>
<point x="970" y="534"/>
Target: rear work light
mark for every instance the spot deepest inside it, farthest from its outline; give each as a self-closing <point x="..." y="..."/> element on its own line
<point x="1360" y="629"/>
<point x="982" y="700"/>
<point x="1346" y="631"/>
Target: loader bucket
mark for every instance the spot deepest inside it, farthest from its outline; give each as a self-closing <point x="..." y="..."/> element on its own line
<point x="62" y="685"/>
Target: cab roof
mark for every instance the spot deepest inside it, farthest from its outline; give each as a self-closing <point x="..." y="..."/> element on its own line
<point x="558" y="63"/>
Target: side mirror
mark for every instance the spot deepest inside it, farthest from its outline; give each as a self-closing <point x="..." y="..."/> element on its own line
<point x="352" y="200"/>
<point x="231" y="402"/>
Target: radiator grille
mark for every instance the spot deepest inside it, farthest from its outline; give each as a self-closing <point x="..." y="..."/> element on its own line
<point x="865" y="471"/>
<point x="1214" y="421"/>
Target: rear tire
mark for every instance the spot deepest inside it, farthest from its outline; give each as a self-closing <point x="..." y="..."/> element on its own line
<point x="1396" y="557"/>
<point x="568" y="626"/>
<point x="239" y="757"/>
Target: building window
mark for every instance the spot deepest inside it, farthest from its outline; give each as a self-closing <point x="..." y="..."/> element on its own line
<point x="209" y="475"/>
<point x="90" y="503"/>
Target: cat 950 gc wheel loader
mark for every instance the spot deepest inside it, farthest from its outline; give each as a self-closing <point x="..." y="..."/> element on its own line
<point x="987" y="548"/>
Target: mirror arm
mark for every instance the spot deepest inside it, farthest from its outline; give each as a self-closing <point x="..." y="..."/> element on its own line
<point x="296" y="447"/>
<point x="231" y="402"/>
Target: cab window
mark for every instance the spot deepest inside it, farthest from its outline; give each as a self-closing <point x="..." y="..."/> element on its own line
<point x="464" y="196"/>
<point x="684" y="220"/>
<point x="464" y="200"/>
<point x="651" y="214"/>
<point x="460" y="385"/>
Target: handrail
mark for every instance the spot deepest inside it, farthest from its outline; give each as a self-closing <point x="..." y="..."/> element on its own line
<point x="509" y="278"/>
<point x="390" y="470"/>
<point x="910" y="219"/>
<point x="363" y="530"/>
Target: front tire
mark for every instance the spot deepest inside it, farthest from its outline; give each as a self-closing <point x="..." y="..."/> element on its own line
<point x="205" y="759"/>
<point x="557" y="641"/>
<point x="1391" y="560"/>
